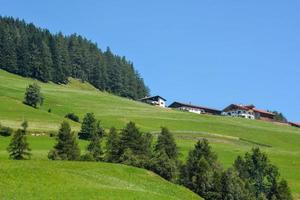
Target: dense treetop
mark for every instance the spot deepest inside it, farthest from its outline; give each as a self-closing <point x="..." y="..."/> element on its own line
<point x="34" y="52"/>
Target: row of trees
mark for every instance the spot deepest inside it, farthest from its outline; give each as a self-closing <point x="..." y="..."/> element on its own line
<point x="33" y="52"/>
<point x="251" y="177"/>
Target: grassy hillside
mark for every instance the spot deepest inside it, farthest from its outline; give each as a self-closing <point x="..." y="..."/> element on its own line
<point x="228" y="136"/>
<point x="84" y="180"/>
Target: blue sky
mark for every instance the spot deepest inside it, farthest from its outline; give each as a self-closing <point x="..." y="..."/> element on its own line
<point x="210" y="53"/>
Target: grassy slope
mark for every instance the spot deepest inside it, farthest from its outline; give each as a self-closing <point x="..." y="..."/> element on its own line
<point x="84" y="180"/>
<point x="114" y="111"/>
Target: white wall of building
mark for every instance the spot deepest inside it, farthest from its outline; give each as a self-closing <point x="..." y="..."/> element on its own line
<point x="240" y="113"/>
<point x="192" y="110"/>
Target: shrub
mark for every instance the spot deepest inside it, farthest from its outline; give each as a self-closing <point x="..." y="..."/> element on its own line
<point x="72" y="117"/>
<point x="5" y="131"/>
<point x="33" y="96"/>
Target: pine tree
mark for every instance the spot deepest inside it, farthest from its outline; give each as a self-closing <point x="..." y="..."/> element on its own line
<point x="94" y="148"/>
<point x="166" y="142"/>
<point x="88" y="127"/>
<point x="8" y="57"/>
<point x="33" y="96"/>
<point x="233" y="188"/>
<point x="131" y="138"/>
<point x="284" y="192"/>
<point x="163" y="165"/>
<point x="263" y="177"/>
<point x="199" y="171"/>
<point x="66" y="147"/>
<point x="112" y="146"/>
<point x="19" y="148"/>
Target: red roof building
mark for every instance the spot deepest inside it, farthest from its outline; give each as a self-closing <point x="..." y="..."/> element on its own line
<point x="295" y="124"/>
<point x="248" y="111"/>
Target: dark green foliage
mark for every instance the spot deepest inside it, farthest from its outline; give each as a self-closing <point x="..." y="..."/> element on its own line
<point x="33" y="52"/>
<point x="280" y="117"/>
<point x="5" y="131"/>
<point x="112" y="146"/>
<point x="94" y="149"/>
<point x="72" y="117"/>
<point x="19" y="148"/>
<point x="24" y="125"/>
<point x="33" y="96"/>
<point x="131" y="147"/>
<point x="283" y="191"/>
<point x="200" y="170"/>
<point x="166" y="142"/>
<point x="164" y="161"/>
<point x="66" y="147"/>
<point x="263" y="177"/>
<point x="163" y="165"/>
<point x="88" y="126"/>
<point x="132" y="139"/>
<point x="232" y="187"/>
<point x="49" y="110"/>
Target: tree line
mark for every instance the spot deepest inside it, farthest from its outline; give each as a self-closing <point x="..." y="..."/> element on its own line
<point x="251" y="177"/>
<point x="34" y="52"/>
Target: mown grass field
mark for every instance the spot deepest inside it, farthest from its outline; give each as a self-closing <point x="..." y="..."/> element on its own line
<point x="228" y="136"/>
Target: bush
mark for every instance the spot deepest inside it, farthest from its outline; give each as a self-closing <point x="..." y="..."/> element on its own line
<point x="5" y="131"/>
<point x="33" y="96"/>
<point x="72" y="117"/>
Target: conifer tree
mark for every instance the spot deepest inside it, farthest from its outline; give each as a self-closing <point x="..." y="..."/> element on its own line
<point x="66" y="147"/>
<point x="164" y="161"/>
<point x="19" y="148"/>
<point x="263" y="177"/>
<point x="163" y="165"/>
<point x="112" y="146"/>
<point x="166" y="142"/>
<point x="200" y="170"/>
<point x="88" y="126"/>
<point x="94" y="149"/>
<point x="131" y="138"/>
<point x="233" y="188"/>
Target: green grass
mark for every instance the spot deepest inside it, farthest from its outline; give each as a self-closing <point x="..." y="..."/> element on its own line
<point x="229" y="136"/>
<point x="84" y="180"/>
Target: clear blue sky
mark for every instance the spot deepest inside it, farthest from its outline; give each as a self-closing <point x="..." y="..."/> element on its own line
<point x="208" y="52"/>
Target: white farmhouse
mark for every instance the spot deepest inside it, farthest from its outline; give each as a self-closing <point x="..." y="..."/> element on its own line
<point x="155" y="100"/>
<point x="248" y="112"/>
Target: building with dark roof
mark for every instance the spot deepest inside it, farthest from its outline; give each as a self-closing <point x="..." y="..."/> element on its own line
<point x="155" y="100"/>
<point x="194" y="108"/>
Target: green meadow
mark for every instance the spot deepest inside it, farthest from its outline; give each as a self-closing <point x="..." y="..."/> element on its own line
<point x="229" y="137"/>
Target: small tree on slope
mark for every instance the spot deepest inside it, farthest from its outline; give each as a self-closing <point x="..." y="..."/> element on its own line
<point x="19" y="148"/>
<point x="112" y="146"/>
<point x="33" y="96"/>
<point x="88" y="127"/>
<point x="66" y="147"/>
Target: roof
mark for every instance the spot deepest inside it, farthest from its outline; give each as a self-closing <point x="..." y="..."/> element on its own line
<point x="295" y="123"/>
<point x="194" y="106"/>
<point x="153" y="97"/>
<point x="249" y="107"/>
<point x="237" y="106"/>
<point x="263" y="111"/>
